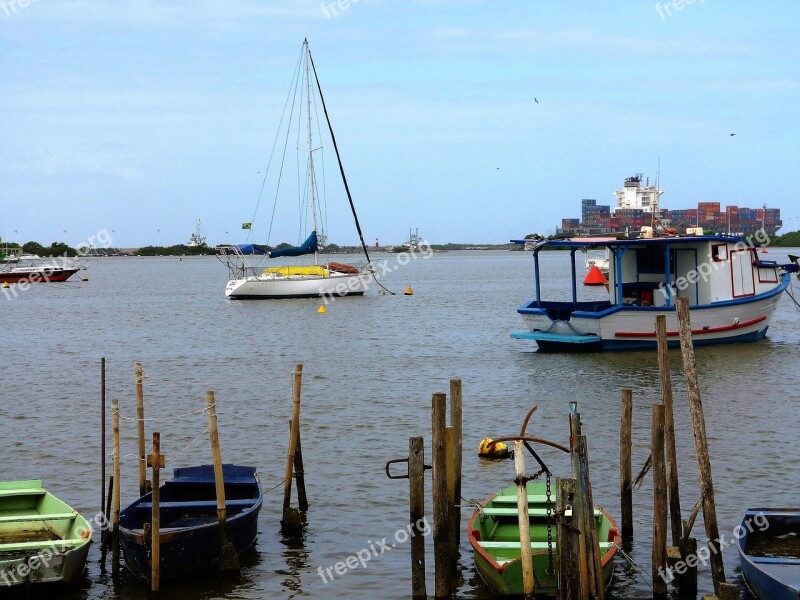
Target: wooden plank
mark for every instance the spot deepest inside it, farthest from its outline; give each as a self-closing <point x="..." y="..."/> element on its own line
<point x="38" y="517"/>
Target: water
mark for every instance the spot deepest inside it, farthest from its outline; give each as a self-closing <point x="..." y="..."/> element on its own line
<point x="370" y="367"/>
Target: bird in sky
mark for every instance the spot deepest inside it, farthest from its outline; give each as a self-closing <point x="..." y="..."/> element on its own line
<point x="535" y="100"/>
<point x="733" y="134"/>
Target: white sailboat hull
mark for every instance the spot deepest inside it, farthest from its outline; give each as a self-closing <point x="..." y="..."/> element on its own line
<point x="275" y="286"/>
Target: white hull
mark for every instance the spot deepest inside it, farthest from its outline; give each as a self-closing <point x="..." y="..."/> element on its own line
<point x="275" y="286"/>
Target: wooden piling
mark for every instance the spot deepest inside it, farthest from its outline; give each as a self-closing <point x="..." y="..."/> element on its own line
<point x="729" y="591"/>
<point x="523" y="519"/>
<point x="670" y="450"/>
<point x="103" y="453"/>
<point x="569" y="582"/>
<point x="441" y="540"/>
<point x="688" y="581"/>
<point x="155" y="461"/>
<point x="593" y="542"/>
<point x="299" y="473"/>
<point x="105" y="537"/>
<point x="701" y="443"/>
<point x="625" y="473"/>
<point x="139" y="380"/>
<point x="452" y="529"/>
<point x="659" y="554"/>
<point x="228" y="560"/>
<point x="115" y="490"/>
<point x="587" y="589"/>
<point x="416" y="513"/>
<point x="297" y="382"/>
<point x="456" y="419"/>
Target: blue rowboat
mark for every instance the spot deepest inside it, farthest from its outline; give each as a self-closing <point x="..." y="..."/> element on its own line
<point x="769" y="552"/>
<point x="189" y="529"/>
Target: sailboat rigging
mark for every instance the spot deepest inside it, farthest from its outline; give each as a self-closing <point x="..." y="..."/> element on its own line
<point x="302" y="281"/>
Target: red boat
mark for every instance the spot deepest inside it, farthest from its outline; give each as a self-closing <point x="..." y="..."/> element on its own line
<point x="32" y="268"/>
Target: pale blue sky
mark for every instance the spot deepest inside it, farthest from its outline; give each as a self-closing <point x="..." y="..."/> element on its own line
<point x="134" y="116"/>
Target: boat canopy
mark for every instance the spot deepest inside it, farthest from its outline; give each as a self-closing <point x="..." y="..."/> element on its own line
<point x="251" y="249"/>
<point x="308" y="247"/>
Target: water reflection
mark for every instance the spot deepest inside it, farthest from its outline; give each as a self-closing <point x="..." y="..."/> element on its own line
<point x="296" y="556"/>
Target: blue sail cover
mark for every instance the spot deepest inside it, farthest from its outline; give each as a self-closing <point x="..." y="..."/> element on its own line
<point x="308" y="247"/>
<point x="251" y="249"/>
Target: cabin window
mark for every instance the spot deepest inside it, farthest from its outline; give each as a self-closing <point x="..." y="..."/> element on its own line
<point x="651" y="260"/>
<point x="719" y="252"/>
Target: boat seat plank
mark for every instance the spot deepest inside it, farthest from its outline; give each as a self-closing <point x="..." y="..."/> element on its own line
<point x="22" y="492"/>
<point x="198" y="504"/>
<point x="532" y="499"/>
<point x="512" y="512"/>
<point x="38" y="517"/>
<point x="492" y="545"/>
<point x="188" y="480"/>
<point x="58" y="545"/>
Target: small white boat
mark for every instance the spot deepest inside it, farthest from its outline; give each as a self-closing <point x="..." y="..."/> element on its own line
<point x="732" y="294"/>
<point x="597" y="259"/>
<point x="309" y="280"/>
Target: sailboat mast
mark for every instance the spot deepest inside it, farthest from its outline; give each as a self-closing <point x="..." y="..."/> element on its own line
<point x="312" y="183"/>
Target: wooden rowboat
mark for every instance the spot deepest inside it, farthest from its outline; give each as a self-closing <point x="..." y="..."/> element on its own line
<point x="493" y="533"/>
<point x="769" y="552"/>
<point x="189" y="529"/>
<point x="42" y="539"/>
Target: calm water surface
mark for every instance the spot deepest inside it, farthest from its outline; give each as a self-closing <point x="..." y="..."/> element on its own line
<point x="370" y="367"/>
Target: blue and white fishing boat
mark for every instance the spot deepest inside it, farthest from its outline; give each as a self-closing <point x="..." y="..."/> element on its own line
<point x="769" y="552"/>
<point x="732" y="293"/>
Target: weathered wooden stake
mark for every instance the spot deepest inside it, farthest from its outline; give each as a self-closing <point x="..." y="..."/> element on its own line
<point x="593" y="543"/>
<point x="416" y="492"/>
<point x="139" y="380"/>
<point x="671" y="453"/>
<point x="105" y="538"/>
<point x="441" y="540"/>
<point x="452" y="544"/>
<point x="688" y="581"/>
<point x="625" y="474"/>
<point x="228" y="560"/>
<point x="456" y="423"/>
<point x="524" y="520"/>
<point x="115" y="490"/>
<point x="659" y="553"/>
<point x="701" y="443"/>
<point x="569" y="581"/>
<point x="579" y="507"/>
<point x="299" y="473"/>
<point x="729" y="591"/>
<point x="297" y="382"/>
<point x="155" y="461"/>
<point x="103" y="456"/>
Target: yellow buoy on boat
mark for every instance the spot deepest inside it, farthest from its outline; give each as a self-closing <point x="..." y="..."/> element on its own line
<point x="322" y="310"/>
<point x="409" y="291"/>
<point x="5" y="285"/>
<point x="84" y="278"/>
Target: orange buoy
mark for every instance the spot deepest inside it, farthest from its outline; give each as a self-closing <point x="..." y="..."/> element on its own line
<point x="763" y="249"/>
<point x="595" y="277"/>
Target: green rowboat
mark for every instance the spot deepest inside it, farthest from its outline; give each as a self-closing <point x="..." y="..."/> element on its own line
<point x="42" y="539"/>
<point x="494" y="536"/>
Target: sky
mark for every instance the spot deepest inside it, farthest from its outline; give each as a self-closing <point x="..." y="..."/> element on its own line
<point x="131" y="119"/>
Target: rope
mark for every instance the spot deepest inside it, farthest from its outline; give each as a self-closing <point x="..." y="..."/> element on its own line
<point x="167" y="418"/>
<point x="171" y="456"/>
<point x="274" y="487"/>
<point x="642" y="573"/>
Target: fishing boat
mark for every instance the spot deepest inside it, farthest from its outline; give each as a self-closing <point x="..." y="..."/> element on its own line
<point x="493" y="533"/>
<point x="769" y="552"/>
<point x="42" y="539"/>
<point x="732" y="293"/>
<point x="189" y="527"/>
<point x="33" y="268"/>
<point x="302" y="280"/>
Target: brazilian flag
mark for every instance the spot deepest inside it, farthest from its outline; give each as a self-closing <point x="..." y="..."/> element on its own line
<point x="247" y="225"/>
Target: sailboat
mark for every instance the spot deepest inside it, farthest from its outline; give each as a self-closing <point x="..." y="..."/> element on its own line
<point x="297" y="280"/>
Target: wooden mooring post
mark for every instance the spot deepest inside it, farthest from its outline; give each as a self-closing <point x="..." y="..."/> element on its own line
<point x="455" y="458"/>
<point x="625" y="468"/>
<point x="103" y="511"/>
<point x="228" y="560"/>
<point x="523" y="519"/>
<point x="567" y="532"/>
<point x="292" y="522"/>
<point x="701" y="443"/>
<point x="139" y="381"/>
<point x="416" y="515"/>
<point x="115" y="490"/>
<point x="659" y="554"/>
<point x="441" y="521"/>
<point x="299" y="473"/>
<point x="155" y="461"/>
<point x="580" y="509"/>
